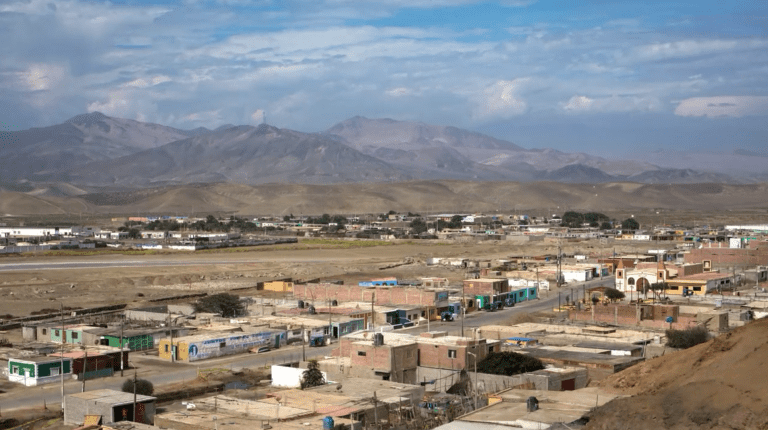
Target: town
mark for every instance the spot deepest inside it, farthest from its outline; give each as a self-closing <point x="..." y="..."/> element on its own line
<point x="472" y="320"/>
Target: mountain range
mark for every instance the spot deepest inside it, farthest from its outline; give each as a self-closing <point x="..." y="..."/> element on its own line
<point x="93" y="151"/>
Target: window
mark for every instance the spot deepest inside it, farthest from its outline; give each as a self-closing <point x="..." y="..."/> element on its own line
<point x="223" y="345"/>
<point x="696" y="288"/>
<point x="451" y="353"/>
<point x="74" y="335"/>
<point x="631" y="281"/>
<point x="57" y="333"/>
<point x="674" y="288"/>
<point x="166" y="347"/>
<point x="361" y="353"/>
<point x="15" y="370"/>
<point x="45" y="331"/>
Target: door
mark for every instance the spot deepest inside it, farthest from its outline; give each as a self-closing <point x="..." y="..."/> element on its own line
<point x="568" y="384"/>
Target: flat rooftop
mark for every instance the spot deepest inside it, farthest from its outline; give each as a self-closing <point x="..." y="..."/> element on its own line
<point x="204" y="420"/>
<point x="554" y="407"/>
<point x="111" y="397"/>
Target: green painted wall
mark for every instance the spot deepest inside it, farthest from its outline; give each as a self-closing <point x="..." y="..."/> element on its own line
<point x="134" y="343"/>
<point x="44" y="369"/>
<point x="21" y="367"/>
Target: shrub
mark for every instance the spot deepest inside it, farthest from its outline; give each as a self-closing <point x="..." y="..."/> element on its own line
<point x="143" y="387"/>
<point x="226" y="305"/>
<point x="687" y="338"/>
<point x="508" y="363"/>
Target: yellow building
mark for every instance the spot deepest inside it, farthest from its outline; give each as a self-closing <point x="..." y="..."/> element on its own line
<point x="279" y="286"/>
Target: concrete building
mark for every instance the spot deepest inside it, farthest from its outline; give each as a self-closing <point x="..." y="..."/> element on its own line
<point x="279" y="286"/>
<point x="38" y="370"/>
<point x="95" y="362"/>
<point x="391" y="358"/>
<point x="439" y="351"/>
<point x="700" y="284"/>
<point x="111" y="405"/>
<point x="199" y="347"/>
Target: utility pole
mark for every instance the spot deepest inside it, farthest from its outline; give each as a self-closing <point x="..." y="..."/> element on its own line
<point x="375" y="412"/>
<point x="134" y="393"/>
<point x="373" y="314"/>
<point x="303" y="349"/>
<point x="330" y="322"/>
<point x="170" y="327"/>
<point x="63" y="337"/>
<point x="85" y="366"/>
<point x="464" y="314"/>
<point x="122" y="359"/>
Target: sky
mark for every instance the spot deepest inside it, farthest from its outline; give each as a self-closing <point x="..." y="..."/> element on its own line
<point x="597" y="76"/>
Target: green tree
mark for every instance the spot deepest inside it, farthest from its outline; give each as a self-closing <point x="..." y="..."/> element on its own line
<point x="630" y="224"/>
<point x="224" y="304"/>
<point x="606" y="225"/>
<point x="134" y="233"/>
<point x="143" y="387"/>
<point x="287" y="218"/>
<point x="418" y="226"/>
<point x="687" y="338"/>
<point x="613" y="294"/>
<point x="508" y="363"/>
<point x="312" y="377"/>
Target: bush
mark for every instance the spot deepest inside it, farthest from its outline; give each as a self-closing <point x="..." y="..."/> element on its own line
<point x="226" y="305"/>
<point x="508" y="364"/>
<point x="687" y="338"/>
<point x="143" y="387"/>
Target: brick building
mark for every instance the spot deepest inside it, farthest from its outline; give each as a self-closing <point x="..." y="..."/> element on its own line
<point x="436" y="350"/>
<point x="382" y="295"/>
<point x="714" y="258"/>
<point x="485" y="286"/>
<point x="394" y="359"/>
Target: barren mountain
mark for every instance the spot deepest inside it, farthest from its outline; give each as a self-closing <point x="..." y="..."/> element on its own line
<point x="241" y="154"/>
<point x="40" y="152"/>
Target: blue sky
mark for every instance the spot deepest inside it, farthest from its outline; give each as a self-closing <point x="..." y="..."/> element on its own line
<point x="600" y="76"/>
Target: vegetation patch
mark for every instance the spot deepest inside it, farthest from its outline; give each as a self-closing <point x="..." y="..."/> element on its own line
<point x="508" y="363"/>
<point x="687" y="338"/>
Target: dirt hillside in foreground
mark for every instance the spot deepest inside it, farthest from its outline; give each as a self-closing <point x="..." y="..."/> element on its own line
<point x="417" y="196"/>
<point x="719" y="384"/>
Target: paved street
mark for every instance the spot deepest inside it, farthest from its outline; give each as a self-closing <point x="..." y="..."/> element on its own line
<point x="161" y="372"/>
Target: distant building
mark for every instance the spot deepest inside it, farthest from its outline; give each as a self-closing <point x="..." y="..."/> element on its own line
<point x="38" y="370"/>
<point x="112" y="406"/>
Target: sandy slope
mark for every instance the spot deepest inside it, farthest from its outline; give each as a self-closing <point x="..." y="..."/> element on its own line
<point x="718" y="384"/>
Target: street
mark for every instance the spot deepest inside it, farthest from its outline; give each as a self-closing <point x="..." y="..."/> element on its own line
<point x="160" y="372"/>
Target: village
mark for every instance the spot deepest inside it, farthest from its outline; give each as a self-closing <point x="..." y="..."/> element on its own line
<point x="396" y="351"/>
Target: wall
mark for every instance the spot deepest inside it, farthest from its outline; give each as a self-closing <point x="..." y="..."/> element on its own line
<point x="290" y="377"/>
<point x="542" y="380"/>
<point x="200" y="349"/>
<point x="644" y="316"/>
<point x="75" y="410"/>
<point x="354" y="293"/>
<point x="473" y="287"/>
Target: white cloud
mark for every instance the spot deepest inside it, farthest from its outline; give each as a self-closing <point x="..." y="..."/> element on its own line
<point x="143" y="83"/>
<point x="501" y="100"/>
<point x="259" y="116"/>
<point x="210" y="116"/>
<point x="615" y="103"/>
<point x="723" y="106"/>
<point x="688" y="48"/>
<point x="399" y="92"/>
<point x="41" y="77"/>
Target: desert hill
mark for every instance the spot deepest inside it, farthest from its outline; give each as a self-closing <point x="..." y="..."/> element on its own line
<point x="372" y="197"/>
<point x="715" y="385"/>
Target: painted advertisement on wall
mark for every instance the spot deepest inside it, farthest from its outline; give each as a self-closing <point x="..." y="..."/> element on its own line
<point x="227" y="345"/>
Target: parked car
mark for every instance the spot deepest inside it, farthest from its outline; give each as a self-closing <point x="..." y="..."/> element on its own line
<point x="264" y="349"/>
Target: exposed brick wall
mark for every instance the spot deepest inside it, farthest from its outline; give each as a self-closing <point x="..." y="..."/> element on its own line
<point x="354" y="293"/>
<point x="474" y="287"/>
<point x="729" y="256"/>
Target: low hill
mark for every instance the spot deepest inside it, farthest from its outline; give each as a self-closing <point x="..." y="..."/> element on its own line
<point x="715" y="385"/>
<point x="414" y="196"/>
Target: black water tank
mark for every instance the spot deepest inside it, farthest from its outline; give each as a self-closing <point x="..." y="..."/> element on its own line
<point x="532" y="404"/>
<point x="378" y="339"/>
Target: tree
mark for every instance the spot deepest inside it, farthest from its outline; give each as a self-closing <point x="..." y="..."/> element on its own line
<point x="508" y="363"/>
<point x="312" y="377"/>
<point x="605" y="226"/>
<point x="143" y="387"/>
<point x="418" y="226"/>
<point x="134" y="233"/>
<point x="287" y="218"/>
<point x="226" y="305"/>
<point x="630" y="224"/>
<point x="613" y="294"/>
